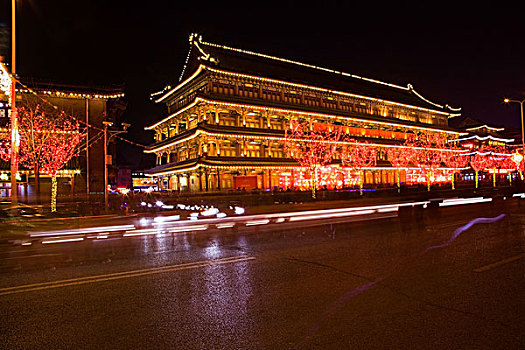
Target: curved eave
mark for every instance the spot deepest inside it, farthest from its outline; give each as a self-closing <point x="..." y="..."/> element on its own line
<point x="263" y="108"/>
<point x="181" y="85"/>
<point x="222" y="163"/>
<point x="483" y="138"/>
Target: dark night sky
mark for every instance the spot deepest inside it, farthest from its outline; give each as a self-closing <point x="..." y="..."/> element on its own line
<point x="469" y="56"/>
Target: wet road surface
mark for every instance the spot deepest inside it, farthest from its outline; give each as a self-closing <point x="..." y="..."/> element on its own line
<point x="387" y="283"/>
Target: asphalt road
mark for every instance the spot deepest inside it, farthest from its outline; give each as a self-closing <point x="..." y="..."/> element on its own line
<point x="432" y="280"/>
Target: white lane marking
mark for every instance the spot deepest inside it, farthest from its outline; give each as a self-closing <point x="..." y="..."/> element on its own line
<point x="121" y="275"/>
<point x="499" y="263"/>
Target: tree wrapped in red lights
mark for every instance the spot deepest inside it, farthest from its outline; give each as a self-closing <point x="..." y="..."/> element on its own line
<point x="48" y="140"/>
<point x="311" y="148"/>
<point x="430" y="154"/>
<point x="479" y="160"/>
<point x="495" y="160"/>
<point x="515" y="161"/>
<point x="456" y="160"/>
<point x="400" y="157"/>
<point x="358" y="156"/>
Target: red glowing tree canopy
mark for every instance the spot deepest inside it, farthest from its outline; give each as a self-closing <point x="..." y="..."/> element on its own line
<point x="311" y="148"/>
<point x="455" y="157"/>
<point x="515" y="161"/>
<point x="480" y="159"/>
<point x="431" y="152"/>
<point x="46" y="141"/>
<point x="405" y="154"/>
<point x="358" y="155"/>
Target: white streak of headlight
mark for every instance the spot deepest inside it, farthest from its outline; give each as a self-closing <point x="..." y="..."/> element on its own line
<point x="150" y="231"/>
<point x="460" y="201"/>
<point x="63" y="240"/>
<point x="188" y="228"/>
<point x="83" y="231"/>
<point x="332" y="215"/>
<point x="162" y="219"/>
<point x="387" y="210"/>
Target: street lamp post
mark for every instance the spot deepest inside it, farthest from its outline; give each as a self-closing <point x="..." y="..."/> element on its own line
<point x="106" y="141"/>
<point x="522" y="125"/>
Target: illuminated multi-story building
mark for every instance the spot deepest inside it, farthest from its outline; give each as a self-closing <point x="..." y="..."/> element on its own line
<point x="226" y="120"/>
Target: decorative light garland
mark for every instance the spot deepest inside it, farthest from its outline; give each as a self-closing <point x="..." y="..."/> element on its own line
<point x="309" y="114"/>
<point x="75" y="94"/>
<point x="274" y="138"/>
<point x="485" y="126"/>
<point x="482" y="138"/>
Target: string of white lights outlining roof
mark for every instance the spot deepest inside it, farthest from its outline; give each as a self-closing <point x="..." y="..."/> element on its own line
<point x="483" y="138"/>
<point x="485" y="126"/>
<point x="196" y="39"/>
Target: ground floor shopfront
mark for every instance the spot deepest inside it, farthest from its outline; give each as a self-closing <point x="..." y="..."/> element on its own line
<point x="297" y="178"/>
<point x="26" y="184"/>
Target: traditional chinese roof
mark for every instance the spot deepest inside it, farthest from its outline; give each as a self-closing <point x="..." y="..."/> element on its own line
<point x="261" y="65"/>
<point x="60" y="89"/>
<point x="480" y="129"/>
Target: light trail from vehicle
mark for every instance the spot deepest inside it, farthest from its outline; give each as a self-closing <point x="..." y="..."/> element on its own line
<point x="63" y="240"/>
<point x="88" y="230"/>
<point x="173" y="224"/>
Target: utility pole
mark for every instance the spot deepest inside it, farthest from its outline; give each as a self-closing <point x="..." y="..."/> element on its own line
<point x="87" y="148"/>
<point x="106" y="124"/>
<point x="106" y="140"/>
<point x="14" y="117"/>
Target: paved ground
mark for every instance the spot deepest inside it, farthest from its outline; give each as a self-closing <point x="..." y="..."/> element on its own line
<point x="388" y="283"/>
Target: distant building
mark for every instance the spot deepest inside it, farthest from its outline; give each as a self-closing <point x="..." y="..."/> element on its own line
<point x="89" y="104"/>
<point x="141" y="182"/>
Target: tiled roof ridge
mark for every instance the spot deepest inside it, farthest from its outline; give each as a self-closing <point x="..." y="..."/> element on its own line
<point x="196" y="40"/>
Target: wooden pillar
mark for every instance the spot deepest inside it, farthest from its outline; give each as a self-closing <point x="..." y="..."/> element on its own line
<point x="72" y="185"/>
